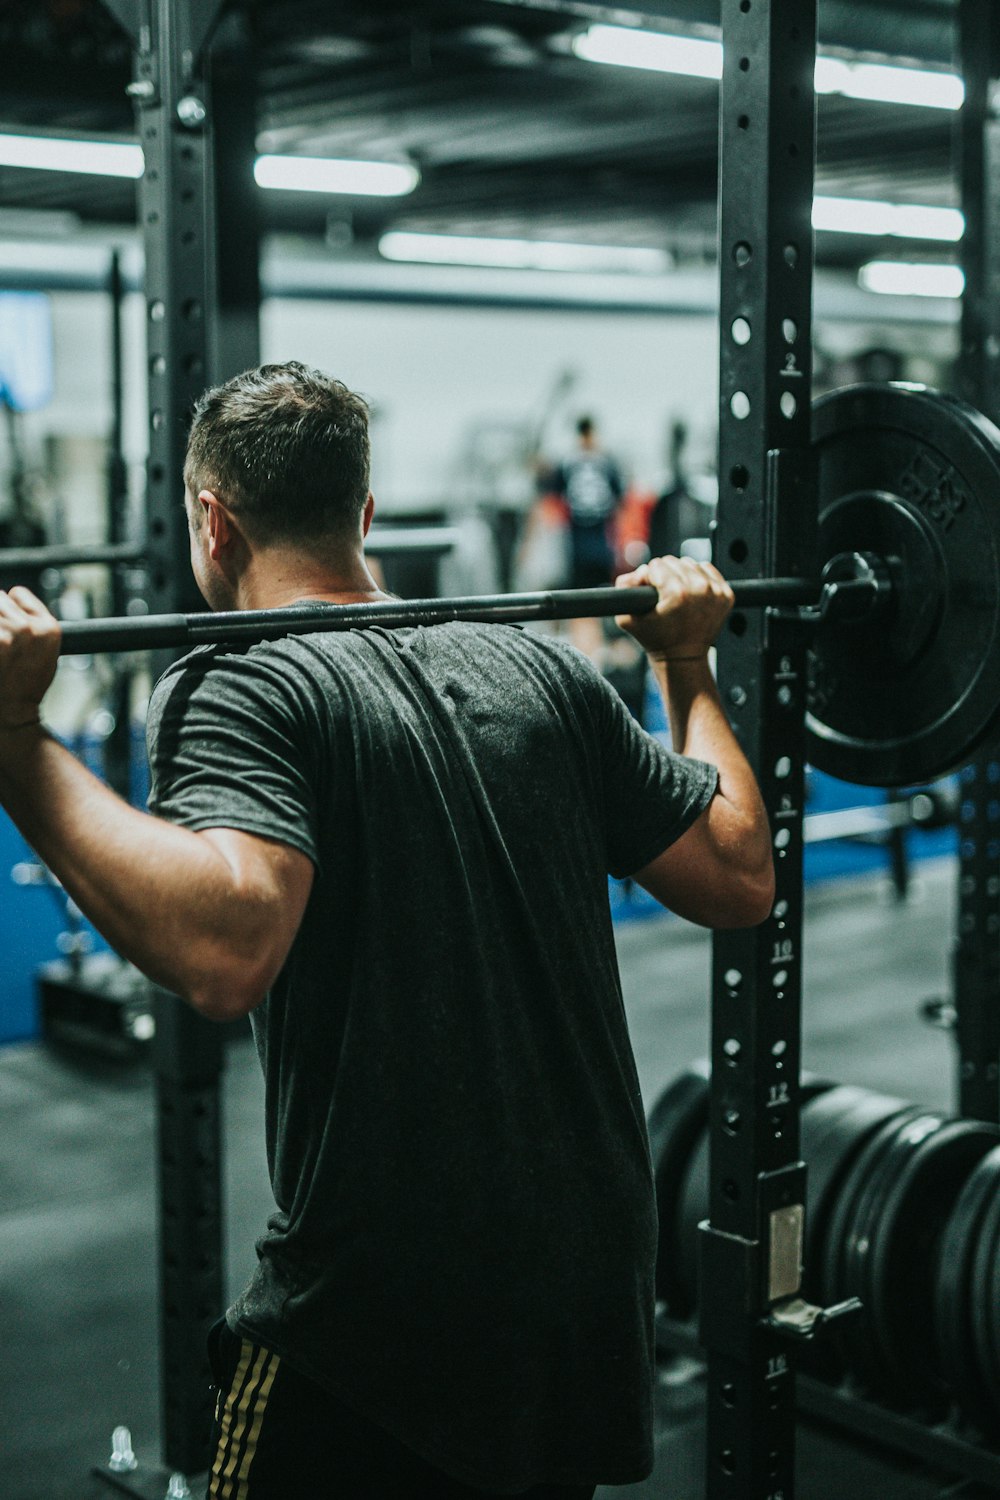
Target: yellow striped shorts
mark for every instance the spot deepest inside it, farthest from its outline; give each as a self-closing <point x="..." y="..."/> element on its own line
<point x="239" y="1416"/>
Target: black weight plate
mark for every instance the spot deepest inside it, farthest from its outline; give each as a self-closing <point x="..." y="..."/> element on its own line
<point x="903" y="1249"/>
<point x="911" y="475"/>
<point x="834" y="1129"/>
<point x="990" y="1303"/>
<point x="853" y="1185"/>
<point x="984" y="1294"/>
<point x="952" y="1293"/>
<point x="862" y="1343"/>
<point x="677" y="1119"/>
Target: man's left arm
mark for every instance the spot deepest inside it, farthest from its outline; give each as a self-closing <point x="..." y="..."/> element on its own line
<point x="209" y="914"/>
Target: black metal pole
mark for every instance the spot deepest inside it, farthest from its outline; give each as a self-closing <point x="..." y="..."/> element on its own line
<point x="976" y="957"/>
<point x="118" y="745"/>
<point x="751" y="1249"/>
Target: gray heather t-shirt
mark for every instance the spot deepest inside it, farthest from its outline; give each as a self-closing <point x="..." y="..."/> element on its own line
<point x="465" y="1232"/>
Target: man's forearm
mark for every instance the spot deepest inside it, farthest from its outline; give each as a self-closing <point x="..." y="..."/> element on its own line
<point x="159" y="894"/>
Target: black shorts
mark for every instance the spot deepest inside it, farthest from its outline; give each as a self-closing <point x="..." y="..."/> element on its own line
<point x="279" y="1435"/>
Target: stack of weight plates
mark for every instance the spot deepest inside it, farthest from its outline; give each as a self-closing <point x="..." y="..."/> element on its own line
<point x="884" y="1243"/>
<point x="903" y="1213"/>
<point x="967" y="1298"/>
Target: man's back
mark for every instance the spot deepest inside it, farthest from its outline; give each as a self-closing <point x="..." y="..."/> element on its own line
<point x="454" y="1125"/>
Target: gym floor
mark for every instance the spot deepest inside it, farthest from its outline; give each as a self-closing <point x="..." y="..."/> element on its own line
<point x="77" y="1210"/>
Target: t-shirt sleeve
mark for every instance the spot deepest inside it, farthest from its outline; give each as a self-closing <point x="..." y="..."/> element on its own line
<point x="650" y="794"/>
<point x="229" y="747"/>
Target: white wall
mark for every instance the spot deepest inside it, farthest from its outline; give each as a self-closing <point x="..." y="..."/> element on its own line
<point x="434" y="371"/>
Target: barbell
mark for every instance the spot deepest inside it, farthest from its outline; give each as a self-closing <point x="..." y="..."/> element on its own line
<point x="904" y="655"/>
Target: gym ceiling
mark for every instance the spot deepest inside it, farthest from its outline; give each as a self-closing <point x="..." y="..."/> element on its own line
<point x="513" y="134"/>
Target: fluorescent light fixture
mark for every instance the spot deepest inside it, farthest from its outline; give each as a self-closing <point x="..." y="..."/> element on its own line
<point x="631" y="48"/>
<point x="695" y="57"/>
<point x="124" y="159"/>
<point x="913" y="221"/>
<point x="521" y="255"/>
<point x="50" y="154"/>
<point x="889" y="85"/>
<point x="905" y="279"/>
<point x="322" y="174"/>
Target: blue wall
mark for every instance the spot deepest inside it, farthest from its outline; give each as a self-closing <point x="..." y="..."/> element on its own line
<point x="32" y="916"/>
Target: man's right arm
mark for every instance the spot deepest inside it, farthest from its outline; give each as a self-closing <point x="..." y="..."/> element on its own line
<point x="720" y="872"/>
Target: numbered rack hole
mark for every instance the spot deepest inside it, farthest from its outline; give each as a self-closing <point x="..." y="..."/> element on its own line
<point x="738" y="550"/>
<point x="782" y="838"/>
<point x="738" y="624"/>
<point x="742" y="253"/>
<point x="789" y="405"/>
<point x="789" y="330"/>
<point x="733" y="979"/>
<point x="783" y="768"/>
<point x="740" y="331"/>
<point x="739" y="477"/>
<point x="791" y="253"/>
<point x="739" y="405"/>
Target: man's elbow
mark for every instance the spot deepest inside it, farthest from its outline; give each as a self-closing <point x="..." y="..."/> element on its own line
<point x="753" y="899"/>
<point x="227" y="990"/>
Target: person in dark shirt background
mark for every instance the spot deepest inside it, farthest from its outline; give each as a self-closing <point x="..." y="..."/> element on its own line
<point x="390" y="848"/>
<point x="590" y="485"/>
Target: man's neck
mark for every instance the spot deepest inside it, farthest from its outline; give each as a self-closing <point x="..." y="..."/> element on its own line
<point x="278" y="578"/>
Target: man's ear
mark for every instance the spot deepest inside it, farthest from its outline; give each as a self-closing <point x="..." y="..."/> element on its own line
<point x="369" y="511"/>
<point x="221" y="529"/>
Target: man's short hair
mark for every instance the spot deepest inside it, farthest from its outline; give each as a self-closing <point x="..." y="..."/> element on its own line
<point x="585" y="426"/>
<point x="287" y="449"/>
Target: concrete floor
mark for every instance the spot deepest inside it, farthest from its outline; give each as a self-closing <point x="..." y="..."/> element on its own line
<point x="77" y="1284"/>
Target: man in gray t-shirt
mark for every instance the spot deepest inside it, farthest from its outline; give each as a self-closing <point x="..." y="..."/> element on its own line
<point x="391" y="849"/>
